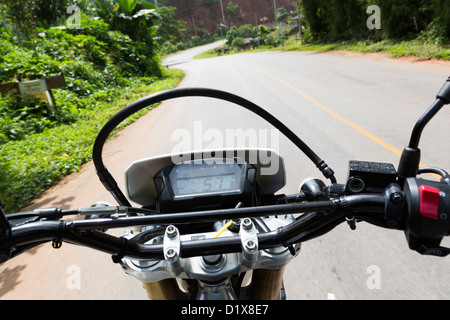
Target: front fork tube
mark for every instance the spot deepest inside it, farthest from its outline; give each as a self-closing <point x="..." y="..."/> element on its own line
<point x="266" y="284"/>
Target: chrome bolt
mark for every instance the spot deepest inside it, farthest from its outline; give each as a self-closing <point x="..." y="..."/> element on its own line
<point x="171" y="231"/>
<point x="247" y="224"/>
<point x="250" y="245"/>
<point x="171" y="254"/>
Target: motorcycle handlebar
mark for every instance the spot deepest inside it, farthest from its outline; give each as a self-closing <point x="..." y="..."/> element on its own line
<point x="413" y="209"/>
<point x="400" y="207"/>
<point x="317" y="217"/>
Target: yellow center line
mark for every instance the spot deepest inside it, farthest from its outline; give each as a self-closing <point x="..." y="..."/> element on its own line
<point x="332" y="113"/>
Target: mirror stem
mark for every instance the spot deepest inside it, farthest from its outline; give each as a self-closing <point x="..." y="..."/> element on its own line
<point x="410" y="159"/>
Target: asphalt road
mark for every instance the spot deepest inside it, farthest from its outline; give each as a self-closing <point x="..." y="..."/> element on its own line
<point x="345" y="106"/>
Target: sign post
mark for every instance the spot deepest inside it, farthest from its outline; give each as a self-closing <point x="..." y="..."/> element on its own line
<point x="36" y="89"/>
<point x="40" y="89"/>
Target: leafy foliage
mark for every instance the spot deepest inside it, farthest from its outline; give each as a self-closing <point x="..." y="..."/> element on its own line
<point x="134" y="18"/>
<point x="234" y="12"/>
<point x="244" y="31"/>
<point x="167" y="28"/>
<point x="30" y="165"/>
<point x="331" y="20"/>
<point x="102" y="64"/>
<point x="21" y="15"/>
<point x="93" y="60"/>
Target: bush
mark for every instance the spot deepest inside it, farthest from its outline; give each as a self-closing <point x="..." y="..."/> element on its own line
<point x="20" y="117"/>
<point x="244" y="31"/>
<point x="400" y="19"/>
<point x="30" y="165"/>
<point x="238" y="42"/>
<point x="100" y="65"/>
<point x="94" y="61"/>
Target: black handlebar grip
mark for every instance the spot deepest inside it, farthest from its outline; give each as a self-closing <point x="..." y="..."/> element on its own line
<point x="444" y="93"/>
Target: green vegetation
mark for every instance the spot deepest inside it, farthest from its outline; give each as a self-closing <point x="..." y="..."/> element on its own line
<point x="109" y="53"/>
<point x="30" y="165"/>
<point x="395" y="48"/>
<point x="107" y="63"/>
<point x="337" y="20"/>
<point x="420" y="28"/>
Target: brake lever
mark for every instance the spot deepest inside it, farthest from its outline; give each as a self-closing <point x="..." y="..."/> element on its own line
<point x="21" y="218"/>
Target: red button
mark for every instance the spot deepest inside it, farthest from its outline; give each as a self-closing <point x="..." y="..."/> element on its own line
<point x="429" y="202"/>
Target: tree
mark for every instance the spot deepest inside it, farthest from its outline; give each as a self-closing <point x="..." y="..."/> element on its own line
<point x="169" y="29"/>
<point x="281" y="15"/>
<point x="441" y="21"/>
<point x="234" y="12"/>
<point x="21" y="15"/>
<point x="336" y="19"/>
<point x="313" y="11"/>
<point x="231" y="34"/>
<point x="49" y="12"/>
<point x="404" y="18"/>
<point x="347" y="20"/>
<point x="134" y="18"/>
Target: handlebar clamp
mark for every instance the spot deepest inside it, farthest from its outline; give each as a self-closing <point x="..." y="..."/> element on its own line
<point x="394" y="206"/>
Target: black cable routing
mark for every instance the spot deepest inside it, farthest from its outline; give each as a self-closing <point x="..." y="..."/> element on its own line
<point x="111" y="185"/>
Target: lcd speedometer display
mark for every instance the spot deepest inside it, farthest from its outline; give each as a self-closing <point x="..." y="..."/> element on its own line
<point x="201" y="178"/>
<point x="205" y="184"/>
<point x="200" y="185"/>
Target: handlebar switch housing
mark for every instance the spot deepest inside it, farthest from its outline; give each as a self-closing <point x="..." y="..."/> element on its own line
<point x="427" y="219"/>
